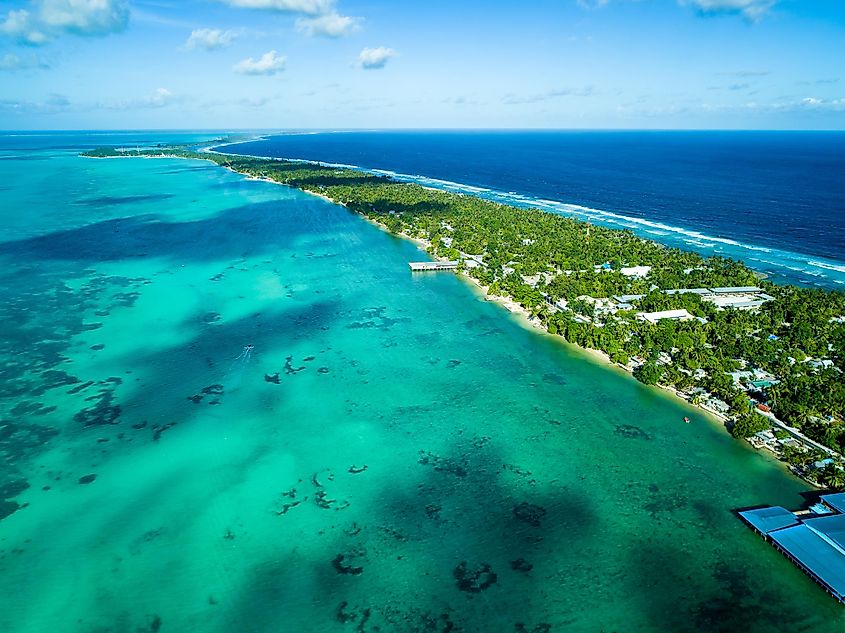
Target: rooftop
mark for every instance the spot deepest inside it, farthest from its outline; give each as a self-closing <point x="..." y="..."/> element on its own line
<point x="654" y="317"/>
<point x="627" y="298"/>
<point x="814" y="543"/>
<point x="635" y="271"/>
<point x="819" y="555"/>
<point x="692" y="291"/>
<point x="766" y="520"/>
<point x="735" y="290"/>
<point x="835" y="501"/>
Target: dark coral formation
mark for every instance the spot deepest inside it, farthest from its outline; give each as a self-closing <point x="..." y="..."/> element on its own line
<point x="342" y="568"/>
<point x="631" y="432"/>
<point x="8" y="491"/>
<point x="315" y="478"/>
<point x="158" y="429"/>
<point x="516" y="470"/>
<point x="374" y="318"/>
<point x="474" y="580"/>
<point x="393" y="533"/>
<point x="443" y="464"/>
<point x="287" y="507"/>
<point x="520" y="564"/>
<point x="104" y="412"/>
<point x="345" y="615"/>
<point x="543" y="627"/>
<point x="211" y="390"/>
<point x="80" y="387"/>
<point x="529" y="513"/>
<point x="432" y="511"/>
<point x="54" y="378"/>
<point x="322" y="500"/>
<point x="30" y="407"/>
<point x="290" y="370"/>
<point x="18" y="440"/>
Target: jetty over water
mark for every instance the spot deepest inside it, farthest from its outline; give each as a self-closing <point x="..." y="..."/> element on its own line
<point x="419" y="266"/>
<point x="813" y="539"/>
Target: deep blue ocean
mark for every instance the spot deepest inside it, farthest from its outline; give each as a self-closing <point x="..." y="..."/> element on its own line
<point x="773" y="199"/>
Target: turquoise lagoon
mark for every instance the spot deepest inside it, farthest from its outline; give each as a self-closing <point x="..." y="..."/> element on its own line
<point x="392" y="454"/>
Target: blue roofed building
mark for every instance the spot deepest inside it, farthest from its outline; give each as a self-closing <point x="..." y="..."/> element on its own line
<point x="769" y="519"/>
<point x="835" y="501"/>
<point x="814" y="541"/>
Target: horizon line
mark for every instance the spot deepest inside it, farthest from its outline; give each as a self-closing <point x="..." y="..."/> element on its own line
<point x="411" y="129"/>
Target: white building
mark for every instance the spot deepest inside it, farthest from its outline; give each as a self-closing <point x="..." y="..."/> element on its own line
<point x="674" y="315"/>
<point x="636" y="271"/>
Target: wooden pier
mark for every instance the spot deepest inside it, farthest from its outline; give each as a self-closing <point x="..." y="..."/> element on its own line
<point x="420" y="266"/>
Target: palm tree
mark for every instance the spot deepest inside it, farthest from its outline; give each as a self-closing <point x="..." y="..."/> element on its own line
<point x="833" y="476"/>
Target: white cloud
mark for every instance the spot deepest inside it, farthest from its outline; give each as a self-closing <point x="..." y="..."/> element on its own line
<point x="751" y="9"/>
<point x="11" y="61"/>
<point x="512" y="99"/>
<point x="269" y="64"/>
<point x="85" y="17"/>
<point x="52" y="104"/>
<point x="329" y="25"/>
<point x="823" y="104"/>
<point x="309" y="7"/>
<point x="210" y="39"/>
<point x="22" y="27"/>
<point x="371" y="58"/>
<point x="159" y="98"/>
<point x="45" y="20"/>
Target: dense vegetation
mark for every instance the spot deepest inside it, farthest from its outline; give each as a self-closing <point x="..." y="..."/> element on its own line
<point x="788" y="337"/>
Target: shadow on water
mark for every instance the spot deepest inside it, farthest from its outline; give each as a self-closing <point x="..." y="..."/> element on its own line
<point x="260" y="227"/>
<point x="723" y="597"/>
<point x="454" y="547"/>
<point x="215" y="356"/>
<point x="108" y="201"/>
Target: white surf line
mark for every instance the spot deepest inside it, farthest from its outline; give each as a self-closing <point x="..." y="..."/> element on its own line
<point x="685" y="236"/>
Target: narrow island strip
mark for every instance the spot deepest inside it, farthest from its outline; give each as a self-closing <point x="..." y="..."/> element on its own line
<point x="766" y="358"/>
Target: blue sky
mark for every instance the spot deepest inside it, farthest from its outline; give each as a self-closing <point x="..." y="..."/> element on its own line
<point x="260" y="64"/>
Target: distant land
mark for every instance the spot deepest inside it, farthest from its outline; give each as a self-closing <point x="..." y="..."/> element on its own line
<point x="774" y="200"/>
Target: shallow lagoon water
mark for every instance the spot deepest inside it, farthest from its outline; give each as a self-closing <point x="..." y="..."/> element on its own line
<point x="393" y="454"/>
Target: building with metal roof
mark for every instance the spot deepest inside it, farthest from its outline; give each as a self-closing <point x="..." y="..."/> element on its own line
<point x="835" y="501"/>
<point x="814" y="542"/>
<point x="627" y="298"/>
<point x="735" y="290"/>
<point x="689" y="291"/>
<point x="674" y="315"/>
<point x="814" y="547"/>
<point x="769" y="519"/>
